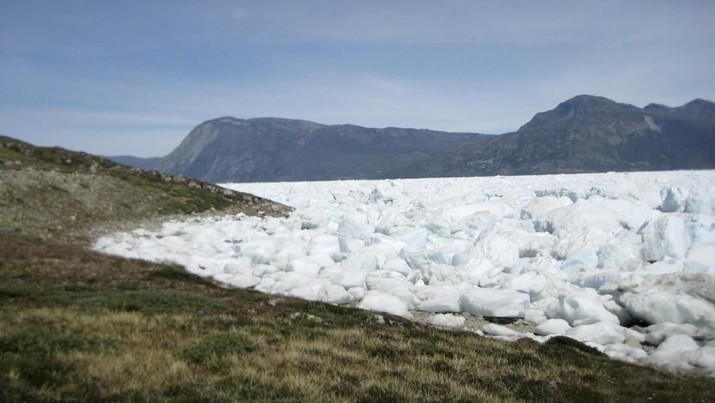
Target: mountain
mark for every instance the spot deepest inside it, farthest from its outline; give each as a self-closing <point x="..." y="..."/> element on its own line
<point x="589" y="134"/>
<point x="272" y="149"/>
<point x="583" y="134"/>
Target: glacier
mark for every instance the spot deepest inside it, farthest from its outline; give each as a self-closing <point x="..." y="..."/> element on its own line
<point x="624" y="262"/>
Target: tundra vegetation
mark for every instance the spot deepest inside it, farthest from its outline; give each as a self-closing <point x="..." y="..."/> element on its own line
<point x="76" y="325"/>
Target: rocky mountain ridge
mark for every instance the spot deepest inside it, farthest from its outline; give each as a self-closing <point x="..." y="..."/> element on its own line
<point x="273" y="149"/>
<point x="583" y="134"/>
<point x="589" y="134"/>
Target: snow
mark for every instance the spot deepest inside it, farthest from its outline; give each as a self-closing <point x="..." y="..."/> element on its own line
<point x="586" y="256"/>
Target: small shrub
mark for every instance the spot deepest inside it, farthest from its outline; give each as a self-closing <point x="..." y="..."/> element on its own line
<point x="42" y="343"/>
<point x="215" y="346"/>
<point x="32" y="355"/>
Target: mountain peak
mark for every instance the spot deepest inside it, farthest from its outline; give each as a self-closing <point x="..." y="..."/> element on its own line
<point x="699" y="107"/>
<point x="268" y="122"/>
<point x="588" y="99"/>
<point x="699" y="102"/>
<point x="657" y="108"/>
<point x="578" y="106"/>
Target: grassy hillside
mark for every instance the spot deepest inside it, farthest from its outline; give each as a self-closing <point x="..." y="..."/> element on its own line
<point x="78" y="325"/>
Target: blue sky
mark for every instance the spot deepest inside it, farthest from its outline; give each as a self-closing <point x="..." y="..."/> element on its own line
<point x="134" y="77"/>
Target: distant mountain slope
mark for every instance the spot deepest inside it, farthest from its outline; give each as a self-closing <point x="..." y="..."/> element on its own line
<point x="589" y="134"/>
<point x="271" y="149"/>
<point x="584" y="134"/>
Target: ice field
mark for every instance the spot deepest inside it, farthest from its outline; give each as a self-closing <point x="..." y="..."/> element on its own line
<point x="622" y="261"/>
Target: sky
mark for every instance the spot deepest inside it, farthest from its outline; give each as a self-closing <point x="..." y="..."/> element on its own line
<point x="134" y="77"/>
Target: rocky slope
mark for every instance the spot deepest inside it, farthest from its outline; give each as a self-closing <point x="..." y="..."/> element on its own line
<point x="52" y="192"/>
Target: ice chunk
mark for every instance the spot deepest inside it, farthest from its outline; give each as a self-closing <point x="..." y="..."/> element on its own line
<point x="309" y="222"/>
<point x="552" y="326"/>
<point x="494" y="207"/>
<point x="238" y="280"/>
<point x="354" y="228"/>
<point x="678" y="343"/>
<point x="624" y="318"/>
<point x="259" y="251"/>
<point x="529" y="282"/>
<point x="580" y="310"/>
<point x="625" y="352"/>
<point x="461" y="212"/>
<point x="439" y="228"/>
<point x="321" y="291"/>
<point x="493" y="302"/>
<point x="357" y="292"/>
<point x="583" y="226"/>
<point x="325" y="244"/>
<point x="446" y="320"/>
<point x="261" y="270"/>
<point x="349" y="277"/>
<point x="703" y="357"/>
<point x="498" y="330"/>
<point x="416" y="240"/>
<point x="335" y="294"/>
<point x="535" y="316"/>
<point x="703" y="253"/>
<point x="664" y="237"/>
<point x="674" y="199"/>
<point x="632" y="214"/>
<point x="440" y="299"/>
<point x="654" y="305"/>
<point x="675" y="351"/>
<point x="623" y="248"/>
<point x="380" y="302"/>
<point x="398" y="287"/>
<point x="306" y="267"/>
<point x="602" y="333"/>
<point x="598" y="279"/>
<point x="241" y="265"/>
<point x="540" y="206"/>
<point x="397" y="265"/>
<point x="655" y="334"/>
<point x="497" y="247"/>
